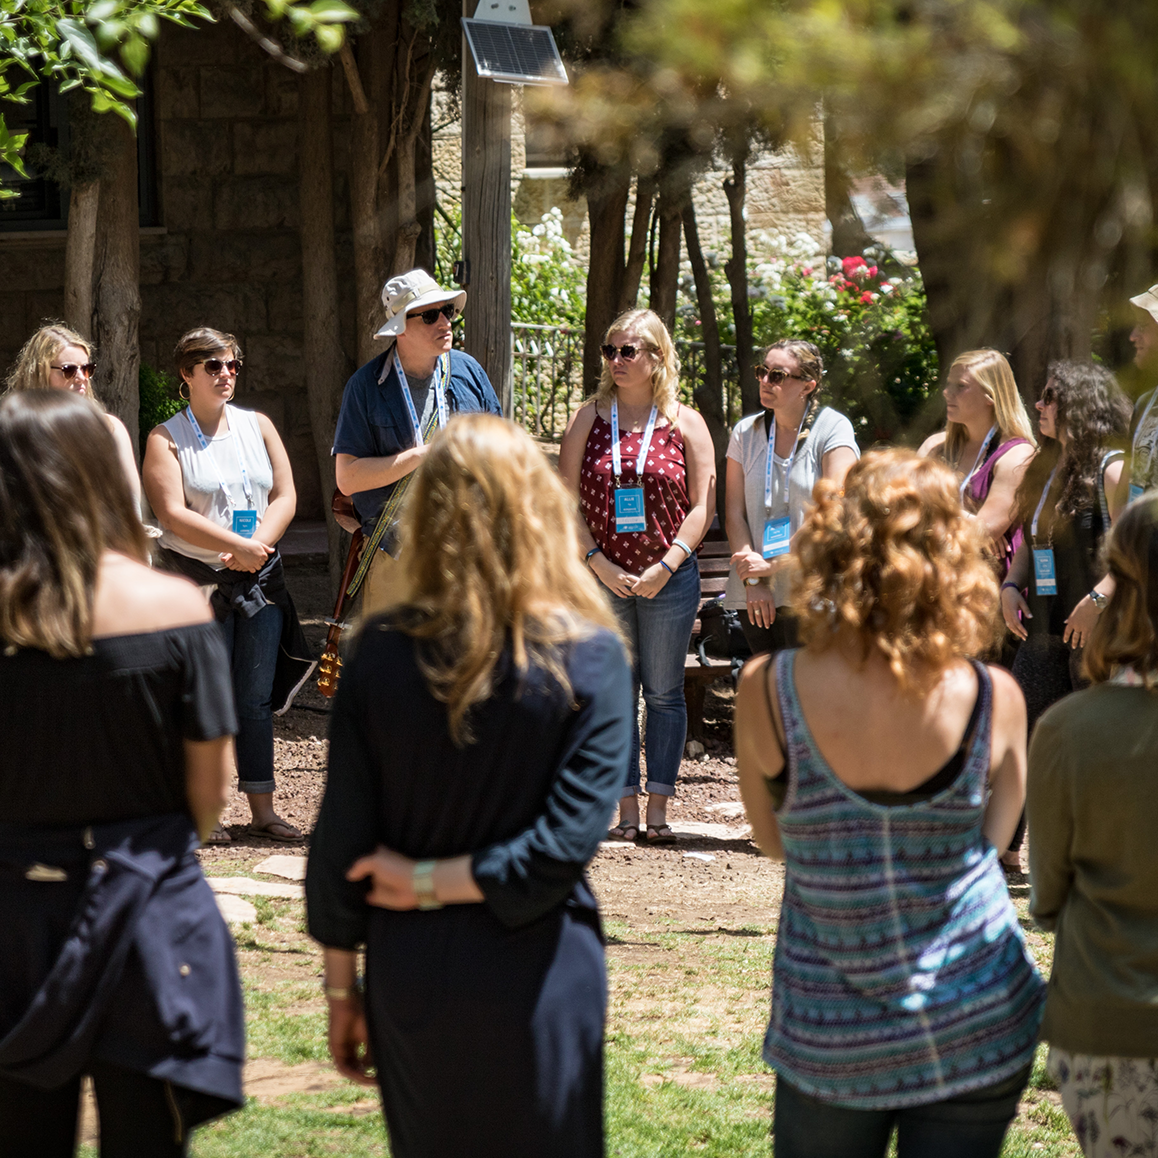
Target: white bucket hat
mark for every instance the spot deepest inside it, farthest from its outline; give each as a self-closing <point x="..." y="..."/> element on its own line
<point x="1148" y="302"/>
<point x="410" y="292"/>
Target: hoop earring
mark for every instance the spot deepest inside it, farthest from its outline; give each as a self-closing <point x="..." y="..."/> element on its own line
<point x="181" y="391"/>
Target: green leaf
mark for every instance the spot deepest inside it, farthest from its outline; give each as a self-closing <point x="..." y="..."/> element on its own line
<point x="81" y="42"/>
<point x="329" y="37"/>
<point x="101" y="11"/>
<point x="333" y="12"/>
<point x="135" y="54"/>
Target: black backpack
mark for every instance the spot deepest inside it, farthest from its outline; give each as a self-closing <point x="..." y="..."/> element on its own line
<point x="721" y="635"/>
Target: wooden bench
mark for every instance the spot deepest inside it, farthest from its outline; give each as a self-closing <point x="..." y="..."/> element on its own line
<point x="714" y="556"/>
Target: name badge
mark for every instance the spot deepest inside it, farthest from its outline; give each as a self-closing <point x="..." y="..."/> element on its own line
<point x="629" y="513"/>
<point x="1044" y="573"/>
<point x="244" y="523"/>
<point x="777" y="534"/>
<point x="1136" y="492"/>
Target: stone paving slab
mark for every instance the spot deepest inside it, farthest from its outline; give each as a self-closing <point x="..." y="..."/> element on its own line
<point x="244" y="887"/>
<point x="291" y="867"/>
<point x="235" y="910"/>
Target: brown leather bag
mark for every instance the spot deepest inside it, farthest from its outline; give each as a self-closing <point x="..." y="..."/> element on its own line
<point x="344" y="514"/>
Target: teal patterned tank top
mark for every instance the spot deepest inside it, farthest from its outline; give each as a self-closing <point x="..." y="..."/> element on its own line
<point x="901" y="976"/>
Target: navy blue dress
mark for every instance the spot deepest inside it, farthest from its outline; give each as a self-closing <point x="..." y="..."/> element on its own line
<point x="486" y="1020"/>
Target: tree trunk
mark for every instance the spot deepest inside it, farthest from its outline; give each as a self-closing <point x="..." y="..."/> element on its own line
<point x="606" y="207"/>
<point x="849" y="237"/>
<point x="79" y="256"/>
<point x="364" y="198"/>
<point x="709" y="397"/>
<point x="486" y="224"/>
<point x="666" y="271"/>
<point x="415" y="102"/>
<point x="425" y="254"/>
<point x="736" y="268"/>
<point x="637" y="254"/>
<point x="117" y="314"/>
<point x="325" y="363"/>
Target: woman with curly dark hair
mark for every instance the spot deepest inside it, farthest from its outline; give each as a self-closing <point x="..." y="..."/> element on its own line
<point x="1056" y="589"/>
<point x="886" y="768"/>
<point x="1065" y="512"/>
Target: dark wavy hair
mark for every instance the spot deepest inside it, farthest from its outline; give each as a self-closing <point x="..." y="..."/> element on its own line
<point x="1096" y="415"/>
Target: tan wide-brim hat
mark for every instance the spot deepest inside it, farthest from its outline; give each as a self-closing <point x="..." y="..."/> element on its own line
<point x="1148" y="302"/>
<point x="410" y="292"/>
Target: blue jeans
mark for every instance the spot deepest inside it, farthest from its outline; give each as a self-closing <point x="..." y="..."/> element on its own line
<point x="252" y="645"/>
<point x="659" y="631"/>
<point x="969" y="1125"/>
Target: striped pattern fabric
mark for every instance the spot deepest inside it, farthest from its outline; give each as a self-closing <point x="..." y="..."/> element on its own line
<point x="901" y="976"/>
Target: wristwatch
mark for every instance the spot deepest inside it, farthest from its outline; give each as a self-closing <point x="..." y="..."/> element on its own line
<point x="424" y="885"/>
<point x="1099" y="600"/>
<point x="753" y="582"/>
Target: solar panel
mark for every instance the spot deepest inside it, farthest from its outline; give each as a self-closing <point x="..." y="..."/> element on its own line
<point x="516" y="53"/>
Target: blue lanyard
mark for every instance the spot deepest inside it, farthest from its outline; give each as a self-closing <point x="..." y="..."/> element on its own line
<point x="439" y="397"/>
<point x="977" y="463"/>
<point x="769" y="464"/>
<point x="616" y="456"/>
<point x="1041" y="501"/>
<point x="245" y="484"/>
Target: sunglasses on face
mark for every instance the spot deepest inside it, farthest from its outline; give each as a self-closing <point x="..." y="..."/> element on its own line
<point x="776" y="375"/>
<point x="1048" y="397"/>
<point x="70" y="370"/>
<point x="627" y="352"/>
<point x="216" y="365"/>
<point x="448" y="311"/>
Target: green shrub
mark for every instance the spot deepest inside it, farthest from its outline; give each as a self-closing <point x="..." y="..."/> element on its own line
<point x="159" y="401"/>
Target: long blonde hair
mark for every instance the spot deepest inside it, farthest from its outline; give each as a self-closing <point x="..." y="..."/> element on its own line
<point x="665" y="375"/>
<point x="33" y="364"/>
<point x="491" y="554"/>
<point x="995" y="377"/>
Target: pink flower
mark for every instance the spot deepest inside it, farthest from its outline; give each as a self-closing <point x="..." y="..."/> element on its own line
<point x="866" y="298"/>
<point x="872" y="272"/>
<point x="807" y="271"/>
<point x="850" y="264"/>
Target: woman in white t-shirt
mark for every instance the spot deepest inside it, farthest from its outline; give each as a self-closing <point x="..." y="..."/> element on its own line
<point x="767" y="502"/>
<point x="219" y="482"/>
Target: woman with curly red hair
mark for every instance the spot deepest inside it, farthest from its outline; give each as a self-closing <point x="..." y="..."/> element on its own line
<point x="887" y="769"/>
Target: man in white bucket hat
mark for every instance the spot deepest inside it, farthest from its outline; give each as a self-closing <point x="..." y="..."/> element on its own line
<point x="1143" y="473"/>
<point x="391" y="408"/>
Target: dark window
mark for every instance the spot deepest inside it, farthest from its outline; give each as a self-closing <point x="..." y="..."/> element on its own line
<point x="41" y="203"/>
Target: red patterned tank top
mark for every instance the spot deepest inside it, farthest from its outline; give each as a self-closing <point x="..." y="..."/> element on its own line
<point x="665" y="493"/>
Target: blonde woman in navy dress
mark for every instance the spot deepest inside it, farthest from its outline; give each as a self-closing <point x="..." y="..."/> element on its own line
<point x="644" y="469"/>
<point x="887" y="770"/>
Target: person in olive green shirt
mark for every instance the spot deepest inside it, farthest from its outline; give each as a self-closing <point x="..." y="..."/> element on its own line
<point x="1093" y="815"/>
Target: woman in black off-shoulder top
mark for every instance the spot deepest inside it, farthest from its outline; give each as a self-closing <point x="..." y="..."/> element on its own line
<point x="117" y="718"/>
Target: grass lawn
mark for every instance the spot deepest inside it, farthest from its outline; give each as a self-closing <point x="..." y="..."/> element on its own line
<point x="684" y="1072"/>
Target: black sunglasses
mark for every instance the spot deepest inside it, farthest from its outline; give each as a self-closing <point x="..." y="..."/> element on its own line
<point x="627" y="352"/>
<point x="70" y="369"/>
<point x="448" y="311"/>
<point x="777" y="375"/>
<point x="216" y="365"/>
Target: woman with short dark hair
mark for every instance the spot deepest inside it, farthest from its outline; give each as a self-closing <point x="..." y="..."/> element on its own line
<point x="1093" y="808"/>
<point x="117" y="722"/>
<point x="220" y="483"/>
<point x="886" y="767"/>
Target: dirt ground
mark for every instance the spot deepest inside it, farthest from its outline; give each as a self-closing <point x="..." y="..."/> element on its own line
<point x="634" y="883"/>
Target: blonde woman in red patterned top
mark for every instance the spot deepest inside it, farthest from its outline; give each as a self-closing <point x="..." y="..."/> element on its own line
<point x="644" y="470"/>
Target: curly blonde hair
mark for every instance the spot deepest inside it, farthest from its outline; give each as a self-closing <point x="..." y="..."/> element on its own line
<point x="893" y="562"/>
<point x="33" y="364"/>
<point x="665" y="373"/>
<point x="491" y="555"/>
<point x="995" y="377"/>
<point x="1126" y="633"/>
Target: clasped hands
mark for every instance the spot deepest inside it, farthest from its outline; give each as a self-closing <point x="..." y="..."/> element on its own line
<point x="622" y="583"/>
<point x="249" y="555"/>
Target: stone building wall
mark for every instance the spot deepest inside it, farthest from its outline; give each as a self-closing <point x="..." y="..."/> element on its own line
<point x="227" y="253"/>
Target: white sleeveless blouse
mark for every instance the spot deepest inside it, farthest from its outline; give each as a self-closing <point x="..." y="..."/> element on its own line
<point x="202" y="479"/>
